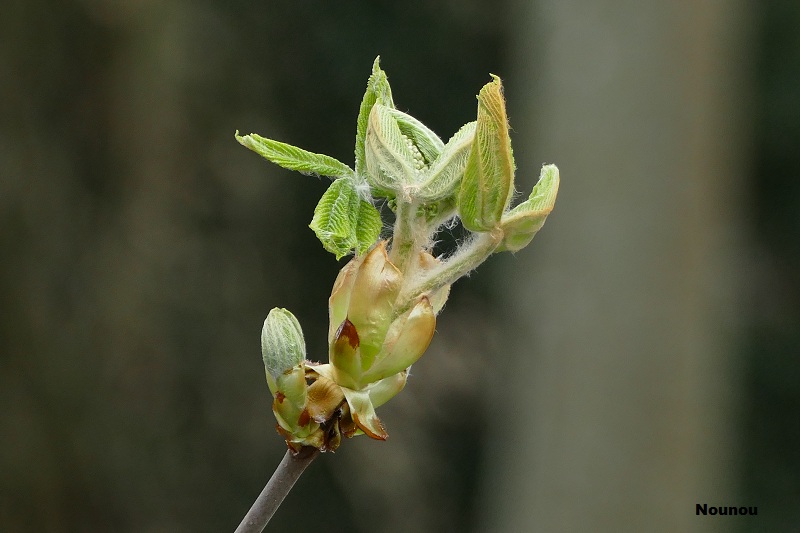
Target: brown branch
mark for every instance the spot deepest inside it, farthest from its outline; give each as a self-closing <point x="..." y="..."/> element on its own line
<point x="278" y="486"/>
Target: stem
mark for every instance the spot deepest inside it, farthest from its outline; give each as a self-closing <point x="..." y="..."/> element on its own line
<point x="403" y="234"/>
<point x="467" y="258"/>
<point x="278" y="486"/>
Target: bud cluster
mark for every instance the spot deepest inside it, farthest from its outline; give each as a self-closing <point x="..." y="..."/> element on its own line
<point x="384" y="302"/>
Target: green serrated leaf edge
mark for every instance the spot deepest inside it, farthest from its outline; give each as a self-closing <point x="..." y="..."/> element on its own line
<point x="294" y="158"/>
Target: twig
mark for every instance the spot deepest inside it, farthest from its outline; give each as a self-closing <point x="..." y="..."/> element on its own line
<point x="278" y="486"/>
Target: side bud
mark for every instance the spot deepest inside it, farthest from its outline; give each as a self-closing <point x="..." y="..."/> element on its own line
<point x="284" y="350"/>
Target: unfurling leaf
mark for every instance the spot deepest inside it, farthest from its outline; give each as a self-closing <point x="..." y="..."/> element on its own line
<point x="427" y="143"/>
<point x="333" y="218"/>
<point x="343" y="221"/>
<point x="378" y="91"/>
<point x="390" y="158"/>
<point x="368" y="226"/>
<point x="524" y="221"/>
<point x="489" y="175"/>
<point x="444" y="175"/>
<point x="294" y="158"/>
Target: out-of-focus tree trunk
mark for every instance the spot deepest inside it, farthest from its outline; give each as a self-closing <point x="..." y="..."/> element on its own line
<point x="622" y="327"/>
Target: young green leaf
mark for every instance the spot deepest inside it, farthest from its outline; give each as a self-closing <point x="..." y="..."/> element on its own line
<point x="390" y="160"/>
<point x="378" y="91"/>
<point x="489" y="175"/>
<point x="444" y="176"/>
<point x="343" y="221"/>
<point x="524" y="221"/>
<point x="335" y="216"/>
<point x="294" y="158"/>
<point x="427" y="143"/>
<point x="368" y="226"/>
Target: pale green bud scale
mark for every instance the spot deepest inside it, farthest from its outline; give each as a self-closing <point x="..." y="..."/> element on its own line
<point x="364" y="413"/>
<point x="384" y="390"/>
<point x="372" y="301"/>
<point x="405" y="342"/>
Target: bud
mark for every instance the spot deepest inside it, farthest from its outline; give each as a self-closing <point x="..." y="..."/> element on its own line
<point x="523" y="222"/>
<point x="371" y="341"/>
<point x="283" y="350"/>
<point x="489" y="175"/>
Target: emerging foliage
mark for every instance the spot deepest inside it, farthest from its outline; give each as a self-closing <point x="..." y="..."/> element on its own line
<point x="384" y="303"/>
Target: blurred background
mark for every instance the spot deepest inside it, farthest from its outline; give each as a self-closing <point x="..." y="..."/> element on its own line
<point x="639" y="358"/>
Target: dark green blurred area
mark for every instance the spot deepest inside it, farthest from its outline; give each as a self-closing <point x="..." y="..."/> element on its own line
<point x="142" y="248"/>
<point x="771" y="462"/>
